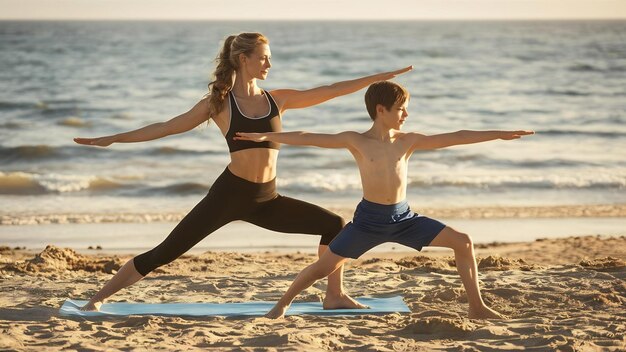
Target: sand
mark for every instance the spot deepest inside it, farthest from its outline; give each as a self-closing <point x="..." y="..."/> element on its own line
<point x="564" y="294"/>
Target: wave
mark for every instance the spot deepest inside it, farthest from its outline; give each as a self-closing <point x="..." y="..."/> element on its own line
<point x="53" y="108"/>
<point x="103" y="86"/>
<point x="11" y="105"/>
<point x="580" y="67"/>
<point x="178" y="151"/>
<point x="331" y="72"/>
<point x="28" y="152"/>
<point x="74" y="121"/>
<point x="439" y="96"/>
<point x="122" y="116"/>
<point x="542" y="164"/>
<point x="482" y="160"/>
<point x="11" y="125"/>
<point x="69" y="183"/>
<point x="524" y="182"/>
<point x="103" y="184"/>
<point x="489" y="112"/>
<point x="338" y="164"/>
<point x="316" y="183"/>
<point x="602" y="134"/>
<point x="22" y="183"/>
<point x="333" y="182"/>
<point x="52" y="112"/>
<point x="44" y="152"/>
<point x="179" y="189"/>
<point x="404" y="52"/>
<point x="293" y="154"/>
<point x="62" y="101"/>
<point x="591" y="68"/>
<point x="433" y="53"/>
<point x="536" y="111"/>
<point x="33" y="62"/>
<point x="475" y="159"/>
<point x="552" y="91"/>
<point x="566" y="92"/>
<point x="31" y="153"/>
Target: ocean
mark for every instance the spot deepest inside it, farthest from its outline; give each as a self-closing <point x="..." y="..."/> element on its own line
<point x="566" y="80"/>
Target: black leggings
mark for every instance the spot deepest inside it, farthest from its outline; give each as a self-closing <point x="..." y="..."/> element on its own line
<point x="234" y="198"/>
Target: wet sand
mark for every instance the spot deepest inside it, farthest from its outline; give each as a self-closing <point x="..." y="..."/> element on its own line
<point x="476" y="212"/>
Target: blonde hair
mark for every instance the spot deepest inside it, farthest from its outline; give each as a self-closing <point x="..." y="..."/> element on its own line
<point x="227" y="64"/>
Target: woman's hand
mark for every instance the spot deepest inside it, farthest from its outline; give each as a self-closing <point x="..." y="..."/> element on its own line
<point x="509" y="135"/>
<point x="392" y="74"/>
<point x="254" y="137"/>
<point x="99" y="142"/>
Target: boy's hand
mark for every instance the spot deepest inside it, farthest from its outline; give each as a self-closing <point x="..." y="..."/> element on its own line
<point x="392" y="74"/>
<point x="508" y="135"/>
<point x="99" y="142"/>
<point x="254" y="137"/>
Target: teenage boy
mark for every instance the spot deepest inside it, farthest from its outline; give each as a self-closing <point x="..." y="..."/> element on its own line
<point x="382" y="154"/>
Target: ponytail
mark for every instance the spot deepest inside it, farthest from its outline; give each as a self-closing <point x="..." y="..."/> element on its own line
<point x="223" y="78"/>
<point x="227" y="66"/>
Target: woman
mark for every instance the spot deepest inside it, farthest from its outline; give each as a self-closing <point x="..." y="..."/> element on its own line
<point x="246" y="190"/>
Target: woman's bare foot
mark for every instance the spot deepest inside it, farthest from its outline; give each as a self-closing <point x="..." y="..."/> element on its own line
<point x="91" y="306"/>
<point x="485" y="312"/>
<point x="276" y="312"/>
<point x="342" y="301"/>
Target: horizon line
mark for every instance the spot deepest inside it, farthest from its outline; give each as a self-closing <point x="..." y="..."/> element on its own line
<point x="314" y="19"/>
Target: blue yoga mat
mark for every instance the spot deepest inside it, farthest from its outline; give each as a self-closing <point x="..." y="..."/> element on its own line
<point x="377" y="305"/>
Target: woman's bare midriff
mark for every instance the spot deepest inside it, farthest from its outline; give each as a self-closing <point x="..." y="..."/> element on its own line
<point x="255" y="165"/>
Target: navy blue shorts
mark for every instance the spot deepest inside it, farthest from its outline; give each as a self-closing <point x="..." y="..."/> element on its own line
<point x="375" y="224"/>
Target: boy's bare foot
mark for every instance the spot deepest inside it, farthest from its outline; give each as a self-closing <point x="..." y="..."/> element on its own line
<point x="91" y="307"/>
<point x="342" y="301"/>
<point x="485" y="312"/>
<point x="276" y="312"/>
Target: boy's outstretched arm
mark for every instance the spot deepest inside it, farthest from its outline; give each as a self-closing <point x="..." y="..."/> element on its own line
<point x="443" y="140"/>
<point x="322" y="140"/>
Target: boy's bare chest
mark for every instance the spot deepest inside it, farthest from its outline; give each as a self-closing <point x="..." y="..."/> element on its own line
<point x="381" y="158"/>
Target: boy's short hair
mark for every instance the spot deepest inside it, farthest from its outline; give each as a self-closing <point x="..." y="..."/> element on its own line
<point x="386" y="94"/>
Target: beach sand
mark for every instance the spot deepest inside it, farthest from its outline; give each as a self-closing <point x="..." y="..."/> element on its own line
<point x="564" y="294"/>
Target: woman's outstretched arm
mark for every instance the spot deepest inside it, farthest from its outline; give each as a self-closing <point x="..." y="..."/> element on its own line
<point x="179" y="124"/>
<point x="296" y="99"/>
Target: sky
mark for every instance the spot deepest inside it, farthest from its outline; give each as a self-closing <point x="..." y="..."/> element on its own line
<point x="312" y="9"/>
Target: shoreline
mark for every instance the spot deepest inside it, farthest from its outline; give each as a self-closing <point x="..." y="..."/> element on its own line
<point x="238" y="236"/>
<point x="600" y="245"/>
<point x="467" y="212"/>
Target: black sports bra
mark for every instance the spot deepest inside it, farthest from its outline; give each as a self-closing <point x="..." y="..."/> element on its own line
<point x="242" y="123"/>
